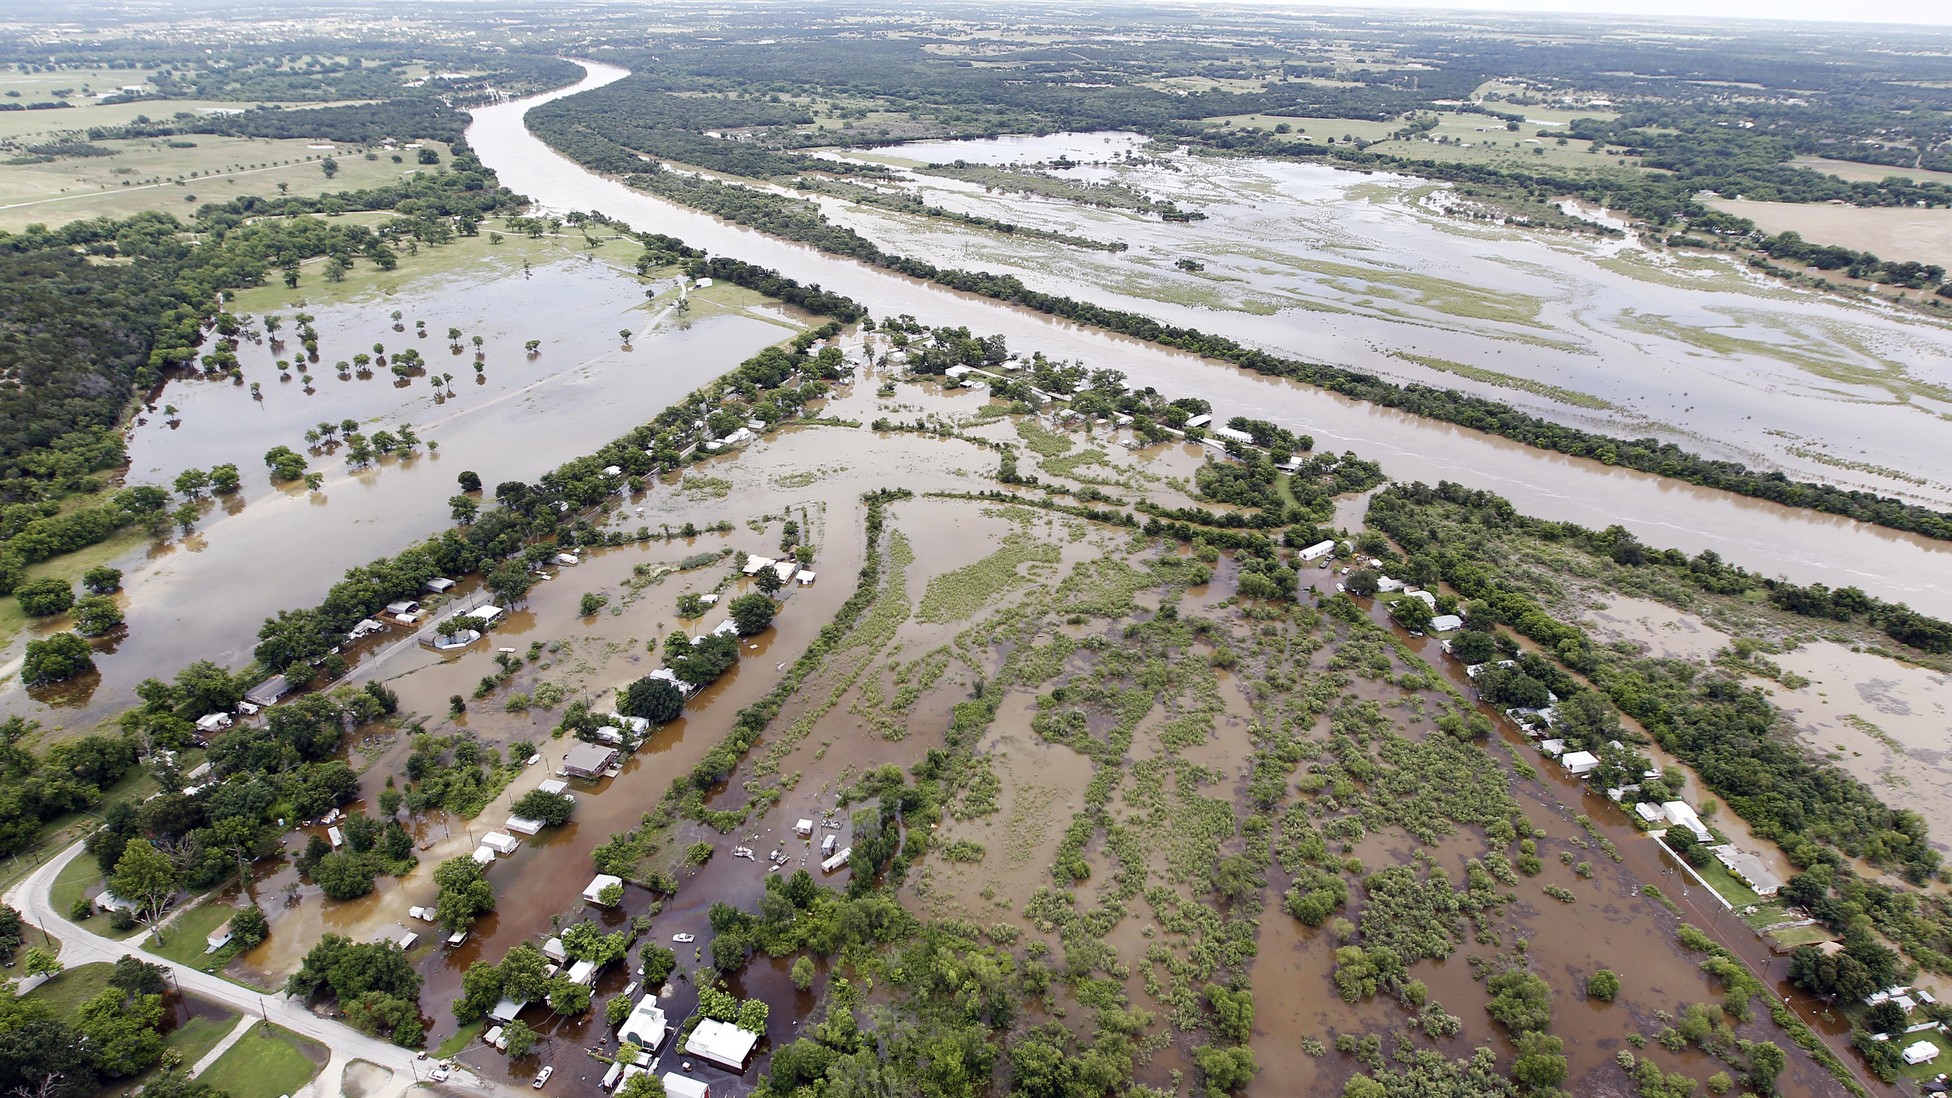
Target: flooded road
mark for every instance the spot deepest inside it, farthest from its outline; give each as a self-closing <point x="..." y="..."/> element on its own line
<point x="1801" y="545"/>
<point x="271" y="547"/>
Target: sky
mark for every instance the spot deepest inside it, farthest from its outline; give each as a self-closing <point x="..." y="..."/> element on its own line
<point x="1916" y="12"/>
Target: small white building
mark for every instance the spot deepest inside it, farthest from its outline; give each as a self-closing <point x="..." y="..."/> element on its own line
<point x="403" y="607"/>
<point x="1552" y="749"/>
<point x="583" y="972"/>
<point x="218" y="938"/>
<point x="553" y="949"/>
<point x="684" y="1086"/>
<point x="646" y="1026"/>
<point x="1651" y="812"/>
<point x="837" y="860"/>
<point x="484" y="855"/>
<point x="213" y="722"/>
<point x="803" y="827"/>
<point x="501" y="842"/>
<point x="1920" y="1052"/>
<point x="440" y="585"/>
<point x="1446" y="623"/>
<point x="804" y="577"/>
<point x="828" y="844"/>
<point x="721" y="1043"/>
<point x="506" y="1009"/>
<point x="1200" y="420"/>
<point x="754" y="565"/>
<point x="337" y="837"/>
<point x="1231" y="435"/>
<point x="1429" y="599"/>
<point x="1579" y="763"/>
<point x="1681" y="815"/>
<point x="594" y="892"/>
<point x="1318" y="550"/>
<point x="557" y="786"/>
<point x="1386" y="584"/>
<point x="523" y="825"/>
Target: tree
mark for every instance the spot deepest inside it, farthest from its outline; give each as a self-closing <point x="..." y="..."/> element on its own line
<point x="625" y="336"/>
<point x="654" y="699"/>
<point x="122" y="1031"/>
<point x="1603" y="985"/>
<point x="102" y="580"/>
<point x="285" y="463"/>
<point x="1541" y="1061"/>
<point x="567" y="997"/>
<point x="45" y="597"/>
<point x="330" y="166"/>
<point x="803" y="972"/>
<point x="190" y="483"/>
<point x="752" y="613"/>
<point x="520" y="1038"/>
<point x="540" y="804"/>
<point x="135" y="976"/>
<point x="1766" y="1062"/>
<point x="1362" y="581"/>
<point x="56" y="659"/>
<point x="41" y="962"/>
<point x="768" y="581"/>
<point x="1521" y="1000"/>
<point x="463" y="509"/>
<point x="224" y="479"/>
<point x="469" y="480"/>
<point x="344" y="875"/>
<point x="1412" y="613"/>
<point x="465" y="893"/>
<point x="249" y="927"/>
<point x="642" y="1085"/>
<point x="146" y="878"/>
<point x="96" y="614"/>
<point x="1471" y="648"/>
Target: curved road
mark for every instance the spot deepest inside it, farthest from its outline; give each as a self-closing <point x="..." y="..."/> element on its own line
<point x="80" y="946"/>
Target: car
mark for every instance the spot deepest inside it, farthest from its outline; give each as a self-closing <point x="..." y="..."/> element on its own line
<point x="542" y="1077"/>
<point x="684" y="938"/>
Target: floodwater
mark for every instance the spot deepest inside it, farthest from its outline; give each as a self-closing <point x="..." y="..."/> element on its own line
<point x="1362" y="269"/>
<point x="1799" y="544"/>
<point x="538" y="886"/>
<point x="271" y="547"/>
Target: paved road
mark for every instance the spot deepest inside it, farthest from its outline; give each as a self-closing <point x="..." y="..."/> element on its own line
<point x="80" y="946"/>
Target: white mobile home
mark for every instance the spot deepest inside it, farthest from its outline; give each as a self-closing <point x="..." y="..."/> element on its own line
<point x="1318" y="550"/>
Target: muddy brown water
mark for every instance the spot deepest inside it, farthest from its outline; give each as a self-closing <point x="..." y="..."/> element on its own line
<point x="1553" y="801"/>
<point x="273" y="547"/>
<point x="1802" y="545"/>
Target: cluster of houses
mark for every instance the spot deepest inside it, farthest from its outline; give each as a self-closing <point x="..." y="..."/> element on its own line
<point x="788" y="571"/>
<point x="1908" y="999"/>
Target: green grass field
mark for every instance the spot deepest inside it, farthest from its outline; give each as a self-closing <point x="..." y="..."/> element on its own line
<point x="476" y="255"/>
<point x="66" y="992"/>
<point x="265" y="1064"/>
<point x="148" y="174"/>
<point x="1474" y="138"/>
<point x="195" y="1038"/>
<point x="184" y="938"/>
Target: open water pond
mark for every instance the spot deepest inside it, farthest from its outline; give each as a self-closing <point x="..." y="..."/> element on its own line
<point x="274" y="546"/>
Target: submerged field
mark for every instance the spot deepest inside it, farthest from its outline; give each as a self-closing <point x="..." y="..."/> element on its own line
<point x="1384" y="272"/>
<point x="1200" y="833"/>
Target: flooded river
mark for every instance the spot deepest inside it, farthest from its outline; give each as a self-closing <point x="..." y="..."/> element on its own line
<point x="1801" y="545"/>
